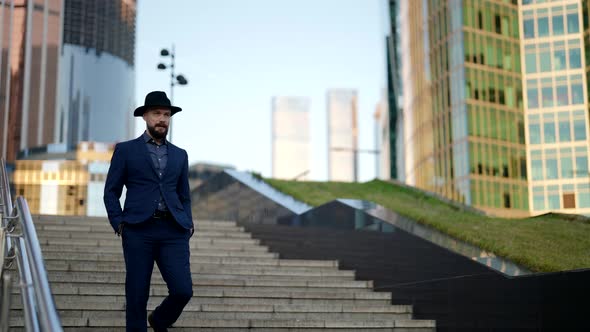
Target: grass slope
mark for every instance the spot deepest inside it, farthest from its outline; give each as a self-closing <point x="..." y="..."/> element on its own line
<point x="544" y="244"/>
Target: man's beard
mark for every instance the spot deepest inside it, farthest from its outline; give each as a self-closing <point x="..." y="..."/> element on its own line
<point x="156" y="134"/>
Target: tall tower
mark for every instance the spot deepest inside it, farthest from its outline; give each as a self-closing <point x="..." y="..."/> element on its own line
<point x="503" y="93"/>
<point x="66" y="72"/>
<point x="342" y="107"/>
<point x="291" y="148"/>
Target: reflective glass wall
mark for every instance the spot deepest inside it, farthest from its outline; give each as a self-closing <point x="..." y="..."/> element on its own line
<point x="494" y="105"/>
<point x="417" y="124"/>
<point x="30" y="38"/>
<point x="61" y="63"/>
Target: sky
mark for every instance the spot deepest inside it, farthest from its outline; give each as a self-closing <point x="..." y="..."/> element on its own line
<point x="238" y="54"/>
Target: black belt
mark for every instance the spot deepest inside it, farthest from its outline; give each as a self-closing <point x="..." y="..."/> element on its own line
<point x="162" y="215"/>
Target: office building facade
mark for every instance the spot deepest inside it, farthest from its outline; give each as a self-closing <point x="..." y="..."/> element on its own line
<point x="495" y="103"/>
<point x="291" y="146"/>
<point x="60" y="186"/>
<point x="66" y="72"/>
<point x="342" y="105"/>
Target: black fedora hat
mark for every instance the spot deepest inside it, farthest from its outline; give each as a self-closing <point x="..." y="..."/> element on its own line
<point x="156" y="99"/>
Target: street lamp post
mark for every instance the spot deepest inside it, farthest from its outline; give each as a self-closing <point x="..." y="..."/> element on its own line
<point x="174" y="79"/>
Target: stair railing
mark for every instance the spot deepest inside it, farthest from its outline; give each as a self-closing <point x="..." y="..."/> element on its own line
<point x="39" y="309"/>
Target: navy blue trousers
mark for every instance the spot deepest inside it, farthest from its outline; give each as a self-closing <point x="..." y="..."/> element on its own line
<point x="165" y="242"/>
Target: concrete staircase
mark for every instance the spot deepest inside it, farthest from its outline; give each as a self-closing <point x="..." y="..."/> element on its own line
<point x="238" y="285"/>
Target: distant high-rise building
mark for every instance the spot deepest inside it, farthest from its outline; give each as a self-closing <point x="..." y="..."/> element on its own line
<point x="342" y="134"/>
<point x="66" y="72"/>
<point x="495" y="103"/>
<point x="291" y="148"/>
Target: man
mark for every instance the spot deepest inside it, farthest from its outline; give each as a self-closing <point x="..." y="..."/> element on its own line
<point x="156" y="222"/>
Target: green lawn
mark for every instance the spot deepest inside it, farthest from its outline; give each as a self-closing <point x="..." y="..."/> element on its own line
<point x="545" y="243"/>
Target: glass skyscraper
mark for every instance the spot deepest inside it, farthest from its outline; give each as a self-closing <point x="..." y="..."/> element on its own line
<point x="495" y="103"/>
<point x="66" y="72"/>
<point x="342" y="107"/>
<point x="291" y="146"/>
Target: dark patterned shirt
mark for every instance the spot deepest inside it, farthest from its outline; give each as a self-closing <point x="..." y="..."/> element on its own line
<point x="159" y="156"/>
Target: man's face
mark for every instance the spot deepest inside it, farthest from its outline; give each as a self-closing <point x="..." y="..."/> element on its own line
<point x="157" y="121"/>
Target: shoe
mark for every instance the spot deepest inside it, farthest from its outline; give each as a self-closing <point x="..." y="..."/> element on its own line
<point x="153" y="326"/>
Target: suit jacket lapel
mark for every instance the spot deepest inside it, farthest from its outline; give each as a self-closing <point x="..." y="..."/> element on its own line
<point x="146" y="154"/>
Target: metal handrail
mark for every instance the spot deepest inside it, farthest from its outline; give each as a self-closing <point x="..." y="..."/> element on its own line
<point x="47" y="314"/>
<point x="39" y="309"/>
<point x="6" y="202"/>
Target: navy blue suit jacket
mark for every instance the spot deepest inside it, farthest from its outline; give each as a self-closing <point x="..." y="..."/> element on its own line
<point x="132" y="167"/>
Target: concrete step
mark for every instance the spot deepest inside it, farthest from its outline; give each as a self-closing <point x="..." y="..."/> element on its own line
<point x="107" y="229"/>
<point x="83" y="265"/>
<point x="215" y="252"/>
<point x="103" y="222"/>
<point x="119" y="277"/>
<point x="225" y="291"/>
<point x="85" y="236"/>
<point x="249" y="323"/>
<point x="117" y="302"/>
<point x="236" y="312"/>
<point x="68" y="288"/>
<point x="116" y="241"/>
<point x="58" y="232"/>
<point x="118" y="257"/>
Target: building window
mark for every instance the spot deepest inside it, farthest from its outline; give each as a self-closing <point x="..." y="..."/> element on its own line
<point x="506" y="200"/>
<point x="533" y="97"/>
<point x="537" y="168"/>
<point x="559" y="59"/>
<point x="557" y="21"/>
<point x="575" y="58"/>
<point x="551" y="164"/>
<point x="531" y="62"/>
<point x="538" y="199"/>
<point x="567" y="167"/>
<point x="549" y="132"/>
<point x="547" y="96"/>
<point x="565" y="134"/>
<point x="543" y="26"/>
<point x="580" y="130"/>
<point x="562" y="94"/>
<point x="573" y="26"/>
<point x="584" y="195"/>
<point x="553" y="200"/>
<point x="529" y="28"/>
<point x="535" y="133"/>
<point x="569" y="200"/>
<point x="545" y="57"/>
<point x="577" y="93"/>
<point x="581" y="166"/>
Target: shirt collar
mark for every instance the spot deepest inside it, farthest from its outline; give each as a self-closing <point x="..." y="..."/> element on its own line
<point x="148" y="139"/>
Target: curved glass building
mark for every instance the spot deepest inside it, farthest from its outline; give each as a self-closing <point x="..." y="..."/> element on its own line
<point x="66" y="72"/>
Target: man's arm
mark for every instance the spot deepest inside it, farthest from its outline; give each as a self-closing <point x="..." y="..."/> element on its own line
<point x="113" y="188"/>
<point x="183" y="189"/>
